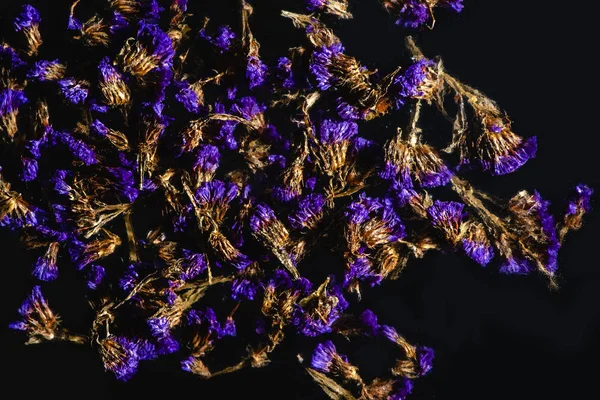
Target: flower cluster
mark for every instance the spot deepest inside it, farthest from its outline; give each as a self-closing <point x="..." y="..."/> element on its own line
<point x="190" y="178"/>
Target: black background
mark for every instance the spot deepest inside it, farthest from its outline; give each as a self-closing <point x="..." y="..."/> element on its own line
<point x="494" y="336"/>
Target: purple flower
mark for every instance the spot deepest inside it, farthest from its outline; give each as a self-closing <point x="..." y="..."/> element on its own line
<point x="369" y="321"/>
<point x="206" y="161"/>
<point x="390" y="333"/>
<point x="45" y="268"/>
<point x="456" y="5"/>
<point x="416" y="82"/>
<point x="549" y="229"/>
<point x="223" y="40"/>
<point x="107" y="71"/>
<point x="151" y="10"/>
<point x="10" y="101"/>
<point x="157" y="42"/>
<point x="413" y="14"/>
<point x="129" y="279"/>
<point x="331" y="132"/>
<point x="361" y="270"/>
<point x="37" y="319"/>
<point x="376" y="222"/>
<point x="119" y="355"/>
<point x="283" y="72"/>
<point x="206" y="317"/>
<point x="498" y="150"/>
<point x="317" y="317"/>
<point x="59" y="181"/>
<point x="313" y="5"/>
<point x="242" y="288"/>
<point x="167" y="345"/>
<point x="216" y="193"/>
<point x="118" y="22"/>
<point x="193" y="265"/>
<point x="28" y="18"/>
<point x="309" y="211"/>
<point x="78" y="148"/>
<point x="248" y="108"/>
<point x="402" y="389"/>
<point x="73" y="91"/>
<point x="228" y="329"/>
<point x="159" y="327"/>
<point x="34" y="147"/>
<point x="187" y="96"/>
<point x="348" y="112"/>
<point x="124" y="183"/>
<point x="480" y="251"/>
<point x="47" y="71"/>
<point x="447" y="216"/>
<point x="256" y="72"/>
<point x="322" y="358"/>
<point x="145" y="350"/>
<point x="517" y="266"/>
<point x="182" y="4"/>
<point x="262" y="217"/>
<point x="74" y="24"/>
<point x="321" y="61"/>
<point x="95" y="276"/>
<point x="425" y="356"/>
<point x="9" y="58"/>
<point x="581" y="202"/>
<point x="408" y="160"/>
<point x="30" y="169"/>
<point x="99" y="128"/>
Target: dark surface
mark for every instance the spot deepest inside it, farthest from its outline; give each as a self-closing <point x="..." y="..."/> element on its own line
<point x="494" y="336"/>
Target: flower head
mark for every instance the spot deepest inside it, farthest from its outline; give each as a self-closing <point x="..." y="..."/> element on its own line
<point x="447" y="216"/>
<point x="47" y="71"/>
<point x="309" y="211"/>
<point x="29" y="18"/>
<point x="45" y="268"/>
<point x="476" y="244"/>
<point x="421" y="161"/>
<point x="321" y="62"/>
<point x="74" y="91"/>
<point x="498" y="150"/>
<point x="419" y="81"/>
<point x="38" y="320"/>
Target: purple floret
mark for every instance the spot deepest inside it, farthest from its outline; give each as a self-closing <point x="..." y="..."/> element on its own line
<point x="248" y="108"/>
<point x="28" y="18"/>
<point x="320" y="63"/>
<point x="323" y="355"/>
<point x="157" y="42"/>
<point x="309" y="208"/>
<point x="207" y="159"/>
<point x="45" y="269"/>
<point x="223" y="40"/>
<point x="73" y="91"/>
<point x="159" y="327"/>
<point x="256" y="72"/>
<point x="10" y="58"/>
<point x="335" y="132"/>
<point x="11" y="100"/>
<point x="507" y="163"/>
<point x="41" y="69"/>
<point x="95" y="276"/>
<point x="480" y="252"/>
<point x="413" y="14"/>
<point x="425" y="356"/>
<point x="362" y="270"/>
<point x="263" y="216"/>
<point x="30" y="169"/>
